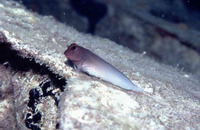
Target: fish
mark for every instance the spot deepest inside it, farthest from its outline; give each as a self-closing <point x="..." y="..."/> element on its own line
<point x="88" y="62"/>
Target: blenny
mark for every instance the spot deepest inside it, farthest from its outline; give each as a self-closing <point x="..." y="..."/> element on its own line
<point x="86" y="61"/>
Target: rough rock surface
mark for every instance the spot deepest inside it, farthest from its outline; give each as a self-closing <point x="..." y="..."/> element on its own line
<point x="7" y="111"/>
<point x="38" y="43"/>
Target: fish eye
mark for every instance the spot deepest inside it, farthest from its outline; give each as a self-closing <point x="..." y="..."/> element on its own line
<point x="73" y="48"/>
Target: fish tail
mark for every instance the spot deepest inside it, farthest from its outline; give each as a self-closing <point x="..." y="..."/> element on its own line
<point x="137" y="89"/>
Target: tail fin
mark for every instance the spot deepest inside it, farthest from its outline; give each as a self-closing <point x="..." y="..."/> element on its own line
<point x="135" y="88"/>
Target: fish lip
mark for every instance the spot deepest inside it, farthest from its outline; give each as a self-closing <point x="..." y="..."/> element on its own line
<point x="67" y="57"/>
<point x="65" y="53"/>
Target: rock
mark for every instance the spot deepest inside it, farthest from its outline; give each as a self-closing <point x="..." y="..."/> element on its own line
<point x="35" y="63"/>
<point x="7" y="109"/>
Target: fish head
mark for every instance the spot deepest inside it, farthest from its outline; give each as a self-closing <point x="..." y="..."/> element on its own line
<point x="74" y="52"/>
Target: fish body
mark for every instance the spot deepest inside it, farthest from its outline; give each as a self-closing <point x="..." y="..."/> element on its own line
<point x="88" y="62"/>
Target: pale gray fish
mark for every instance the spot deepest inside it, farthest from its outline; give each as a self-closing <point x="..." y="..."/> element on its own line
<point x="90" y="63"/>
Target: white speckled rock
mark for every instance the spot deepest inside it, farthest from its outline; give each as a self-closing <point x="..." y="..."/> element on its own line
<point x="90" y="104"/>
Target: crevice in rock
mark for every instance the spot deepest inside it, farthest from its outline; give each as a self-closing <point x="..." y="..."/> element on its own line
<point x="12" y="60"/>
<point x="57" y="126"/>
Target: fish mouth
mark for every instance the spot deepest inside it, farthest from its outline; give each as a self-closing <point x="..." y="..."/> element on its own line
<point x="67" y="57"/>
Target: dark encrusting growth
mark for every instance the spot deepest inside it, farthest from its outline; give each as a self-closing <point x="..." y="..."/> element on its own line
<point x="12" y="60"/>
<point x="32" y="121"/>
